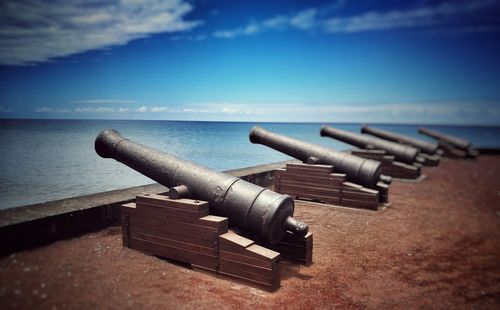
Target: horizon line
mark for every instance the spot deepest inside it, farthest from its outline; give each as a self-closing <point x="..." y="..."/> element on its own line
<point x="262" y="122"/>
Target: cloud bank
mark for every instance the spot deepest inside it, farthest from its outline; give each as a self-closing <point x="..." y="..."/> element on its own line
<point x="34" y="31"/>
<point x="454" y="15"/>
<point x="446" y="113"/>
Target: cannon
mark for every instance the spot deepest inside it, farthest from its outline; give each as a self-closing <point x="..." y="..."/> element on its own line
<point x="448" y="139"/>
<point x="402" y="153"/>
<point x="256" y="210"/>
<point x="358" y="170"/>
<point x="424" y="146"/>
<point x="451" y="144"/>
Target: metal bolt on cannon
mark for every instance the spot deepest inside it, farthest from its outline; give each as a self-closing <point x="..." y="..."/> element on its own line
<point x="254" y="209"/>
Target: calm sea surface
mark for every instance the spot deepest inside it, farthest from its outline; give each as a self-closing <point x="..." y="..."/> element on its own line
<point x="43" y="160"/>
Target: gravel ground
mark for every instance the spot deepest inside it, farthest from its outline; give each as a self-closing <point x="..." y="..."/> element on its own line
<point x="437" y="246"/>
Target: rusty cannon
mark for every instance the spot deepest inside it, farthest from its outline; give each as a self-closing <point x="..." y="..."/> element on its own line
<point x="256" y="210"/>
<point x="452" y="144"/>
<point x="402" y="153"/>
<point x="358" y="170"/>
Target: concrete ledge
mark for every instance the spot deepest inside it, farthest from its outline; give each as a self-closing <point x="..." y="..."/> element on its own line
<point x="38" y="224"/>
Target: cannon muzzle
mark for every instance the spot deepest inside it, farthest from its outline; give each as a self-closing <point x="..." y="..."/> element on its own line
<point x="362" y="171"/>
<point x="424" y="146"/>
<point x="402" y="153"/>
<point x="256" y="210"/>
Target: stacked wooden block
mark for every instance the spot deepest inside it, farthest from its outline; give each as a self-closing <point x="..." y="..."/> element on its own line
<point x="294" y="248"/>
<point x="390" y="167"/>
<point x="354" y="195"/>
<point x="180" y="229"/>
<point x="316" y="182"/>
<point x="320" y="183"/>
<point x="183" y="230"/>
<point x="241" y="258"/>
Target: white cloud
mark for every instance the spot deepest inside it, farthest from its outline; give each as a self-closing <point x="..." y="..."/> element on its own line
<point x="305" y="19"/>
<point x="160" y="109"/>
<point x="447" y="14"/>
<point x="35" y="31"/>
<point x="411" y="112"/>
<point x="51" y="110"/>
<point x="95" y="110"/>
<point x="103" y="101"/>
<point x="5" y="110"/>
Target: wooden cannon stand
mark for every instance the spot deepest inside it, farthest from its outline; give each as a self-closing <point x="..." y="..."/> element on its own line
<point x="390" y="166"/>
<point x="183" y="230"/>
<point x="320" y="183"/>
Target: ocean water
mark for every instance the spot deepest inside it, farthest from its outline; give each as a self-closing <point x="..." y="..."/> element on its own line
<point x="43" y="160"/>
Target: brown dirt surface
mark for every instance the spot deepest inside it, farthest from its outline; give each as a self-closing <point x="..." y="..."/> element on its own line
<point x="437" y="246"/>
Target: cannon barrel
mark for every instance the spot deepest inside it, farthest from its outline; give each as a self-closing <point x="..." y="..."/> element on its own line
<point x="252" y="208"/>
<point x="402" y="153"/>
<point x="424" y="146"/>
<point x="455" y="141"/>
<point x="362" y="171"/>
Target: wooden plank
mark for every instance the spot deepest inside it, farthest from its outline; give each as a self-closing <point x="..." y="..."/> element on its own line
<point x="183" y="203"/>
<point x="309" y="190"/>
<point x="316" y="198"/>
<point x="359" y="204"/>
<point x="330" y="179"/>
<point x="231" y="242"/>
<point x="207" y="261"/>
<point x="247" y="259"/>
<point x="208" y="238"/>
<point x="219" y="222"/>
<point x="315" y="167"/>
<point x="351" y="185"/>
<point x="264" y="253"/>
<point x="357" y="197"/>
<point x="128" y="209"/>
<point x="295" y="248"/>
<point x="213" y="251"/>
<point x="125" y="230"/>
<point x="175" y="214"/>
<point x="172" y="225"/>
<point x="305" y="171"/>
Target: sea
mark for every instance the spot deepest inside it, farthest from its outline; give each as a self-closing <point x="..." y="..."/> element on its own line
<point x="44" y="160"/>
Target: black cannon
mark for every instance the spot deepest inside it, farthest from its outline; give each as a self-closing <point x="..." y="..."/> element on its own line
<point x="449" y="139"/>
<point x="450" y="142"/>
<point x="362" y="171"/>
<point x="424" y="146"/>
<point x="254" y="209"/>
<point x="402" y="153"/>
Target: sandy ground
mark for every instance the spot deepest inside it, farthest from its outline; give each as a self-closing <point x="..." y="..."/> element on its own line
<point x="437" y="246"/>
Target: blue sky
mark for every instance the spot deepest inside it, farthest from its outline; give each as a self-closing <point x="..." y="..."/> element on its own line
<point x="307" y="61"/>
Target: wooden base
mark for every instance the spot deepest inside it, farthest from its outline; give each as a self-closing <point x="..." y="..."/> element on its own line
<point x="183" y="230"/>
<point x="390" y="167"/>
<point x="320" y="183"/>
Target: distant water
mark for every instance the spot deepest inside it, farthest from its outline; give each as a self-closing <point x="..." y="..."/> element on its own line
<point x="43" y="160"/>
